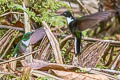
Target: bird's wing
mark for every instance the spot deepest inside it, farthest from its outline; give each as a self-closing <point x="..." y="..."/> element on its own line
<point x="90" y="21"/>
<point x="37" y="35"/>
<point x="87" y="24"/>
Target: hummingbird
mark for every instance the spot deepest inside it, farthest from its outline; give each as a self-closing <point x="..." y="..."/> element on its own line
<point x="77" y="25"/>
<point x="22" y="44"/>
<point x="27" y="39"/>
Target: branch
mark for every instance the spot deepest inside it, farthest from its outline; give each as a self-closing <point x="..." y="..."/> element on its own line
<point x="54" y="44"/>
<point x="80" y="4"/>
<point x="10" y="13"/>
<point x="26" y="54"/>
<point x="112" y="42"/>
<point x="11" y="27"/>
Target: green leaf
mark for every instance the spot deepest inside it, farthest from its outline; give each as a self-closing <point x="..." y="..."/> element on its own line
<point x="84" y="33"/>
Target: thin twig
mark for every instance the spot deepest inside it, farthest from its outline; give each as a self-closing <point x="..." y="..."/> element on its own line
<point x="41" y="46"/>
<point x="5" y="36"/>
<point x="6" y="42"/>
<point x="79" y="2"/>
<point x="111" y="56"/>
<point x="112" y="42"/>
<point x="11" y="27"/>
<point x="26" y="54"/>
<point x="6" y="33"/>
<point x="109" y="71"/>
<point x="116" y="60"/>
<point x="10" y="44"/>
<point x="10" y="13"/>
<point x="6" y="73"/>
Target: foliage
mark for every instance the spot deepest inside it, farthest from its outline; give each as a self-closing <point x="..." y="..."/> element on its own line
<point x="41" y="10"/>
<point x="2" y="32"/>
<point x="6" y="77"/>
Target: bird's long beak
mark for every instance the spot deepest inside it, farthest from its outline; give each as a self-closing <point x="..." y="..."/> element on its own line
<point x="57" y="15"/>
<point x="62" y="14"/>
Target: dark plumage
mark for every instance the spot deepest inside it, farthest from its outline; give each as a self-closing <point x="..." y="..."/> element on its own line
<point x="76" y="25"/>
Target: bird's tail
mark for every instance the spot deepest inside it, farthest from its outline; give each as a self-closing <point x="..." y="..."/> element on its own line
<point x="15" y="54"/>
<point x="77" y="44"/>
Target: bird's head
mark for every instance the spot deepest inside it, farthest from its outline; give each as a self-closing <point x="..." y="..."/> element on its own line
<point x="67" y="14"/>
<point x="26" y="36"/>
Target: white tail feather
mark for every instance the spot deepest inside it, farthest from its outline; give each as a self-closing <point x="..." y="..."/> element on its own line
<point x="75" y="44"/>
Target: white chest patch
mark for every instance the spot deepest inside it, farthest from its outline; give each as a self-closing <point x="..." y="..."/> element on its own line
<point x="69" y="20"/>
<point x="26" y="42"/>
